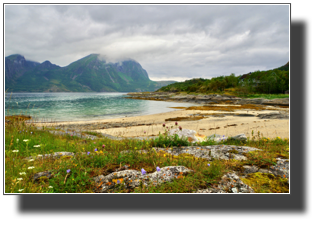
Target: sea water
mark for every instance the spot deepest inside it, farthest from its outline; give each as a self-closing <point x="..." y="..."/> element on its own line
<point x="82" y="106"/>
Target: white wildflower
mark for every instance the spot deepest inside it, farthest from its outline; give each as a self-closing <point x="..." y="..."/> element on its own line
<point x="22" y="173"/>
<point x="20" y="190"/>
<point x="36" y="146"/>
<point x="50" y="186"/>
<point x="15" y="151"/>
<point x="31" y="167"/>
<point x="19" y="179"/>
<point x="26" y="140"/>
<point x="30" y="160"/>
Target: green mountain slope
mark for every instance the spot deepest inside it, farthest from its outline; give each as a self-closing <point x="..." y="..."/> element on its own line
<point x="87" y="74"/>
<point x="271" y="81"/>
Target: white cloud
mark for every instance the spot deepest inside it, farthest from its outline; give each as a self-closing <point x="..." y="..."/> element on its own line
<point x="169" y="41"/>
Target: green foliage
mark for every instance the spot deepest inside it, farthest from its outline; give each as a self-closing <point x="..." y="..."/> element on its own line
<point x="273" y="81"/>
<point x="165" y="141"/>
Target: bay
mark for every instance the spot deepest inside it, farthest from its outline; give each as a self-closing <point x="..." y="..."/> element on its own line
<point x="82" y="106"/>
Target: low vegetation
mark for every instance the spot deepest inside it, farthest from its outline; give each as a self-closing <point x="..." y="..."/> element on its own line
<point x="74" y="174"/>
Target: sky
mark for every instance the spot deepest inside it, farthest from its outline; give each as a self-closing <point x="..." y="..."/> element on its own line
<point x="171" y="42"/>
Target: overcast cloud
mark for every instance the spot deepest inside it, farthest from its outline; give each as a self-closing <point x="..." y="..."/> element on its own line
<point x="175" y="42"/>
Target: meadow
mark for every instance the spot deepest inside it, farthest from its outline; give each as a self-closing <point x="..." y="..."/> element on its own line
<point x="100" y="156"/>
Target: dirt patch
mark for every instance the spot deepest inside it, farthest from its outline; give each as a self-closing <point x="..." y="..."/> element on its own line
<point x="192" y="118"/>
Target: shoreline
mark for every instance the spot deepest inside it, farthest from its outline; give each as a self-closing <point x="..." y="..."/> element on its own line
<point x="204" y="122"/>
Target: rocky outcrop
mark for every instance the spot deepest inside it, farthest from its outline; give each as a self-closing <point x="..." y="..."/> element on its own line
<point x="204" y="99"/>
<point x="274" y="115"/>
<point x="130" y="178"/>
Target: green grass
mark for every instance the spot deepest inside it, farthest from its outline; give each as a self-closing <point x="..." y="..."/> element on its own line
<point x="19" y="172"/>
<point x="265" y="96"/>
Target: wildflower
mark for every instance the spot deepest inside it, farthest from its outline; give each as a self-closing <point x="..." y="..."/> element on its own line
<point x="103" y="146"/>
<point x="143" y="171"/>
<point x="208" y="164"/>
<point x="19" y="179"/>
<point x="20" y="190"/>
<point x="30" y="160"/>
<point x="31" y="167"/>
<point x="22" y="173"/>
<point x="176" y="123"/>
<point x="15" y="151"/>
<point x="164" y="125"/>
<point x="167" y="127"/>
<point x="50" y="186"/>
<point x="88" y="153"/>
<point x="95" y="150"/>
<point x="37" y="146"/>
<point x="68" y="171"/>
<point x="135" y="148"/>
<point x="145" y="132"/>
<point x="31" y="132"/>
<point x="118" y="182"/>
<point x="180" y="128"/>
<point x="158" y="169"/>
<point x="17" y="140"/>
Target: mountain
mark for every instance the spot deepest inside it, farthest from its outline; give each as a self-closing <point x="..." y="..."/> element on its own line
<point x="87" y="74"/>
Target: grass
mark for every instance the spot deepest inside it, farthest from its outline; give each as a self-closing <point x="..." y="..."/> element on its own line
<point x="74" y="174"/>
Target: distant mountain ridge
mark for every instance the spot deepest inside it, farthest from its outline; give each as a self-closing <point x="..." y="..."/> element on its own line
<point x="84" y="75"/>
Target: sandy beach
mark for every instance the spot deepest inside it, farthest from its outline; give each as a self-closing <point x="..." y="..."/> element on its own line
<point x="208" y="122"/>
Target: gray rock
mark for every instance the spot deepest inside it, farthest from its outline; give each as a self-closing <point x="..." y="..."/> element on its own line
<point x="230" y="183"/>
<point x="51" y="155"/>
<point x="284" y="102"/>
<point x="240" y="137"/>
<point x="133" y="178"/>
<point x="250" y="169"/>
<point x="46" y="174"/>
<point x="223" y="152"/>
<point x="281" y="168"/>
<point x="274" y="115"/>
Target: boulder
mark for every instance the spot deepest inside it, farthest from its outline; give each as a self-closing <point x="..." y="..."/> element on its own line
<point x="240" y="137"/>
<point x="45" y="175"/>
<point x="133" y="178"/>
<point x="191" y="135"/>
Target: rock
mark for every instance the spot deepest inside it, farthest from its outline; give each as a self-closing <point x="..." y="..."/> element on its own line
<point x="281" y="168"/>
<point x="250" y="101"/>
<point x="223" y="152"/>
<point x="51" y="155"/>
<point x="191" y="135"/>
<point x="240" y="137"/>
<point x="284" y="102"/>
<point x="45" y="174"/>
<point x="250" y="169"/>
<point x="264" y="171"/>
<point x="230" y="183"/>
<point x="133" y="178"/>
<point x="274" y="115"/>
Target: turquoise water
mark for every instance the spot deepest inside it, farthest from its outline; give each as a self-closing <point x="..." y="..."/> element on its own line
<point x="78" y="106"/>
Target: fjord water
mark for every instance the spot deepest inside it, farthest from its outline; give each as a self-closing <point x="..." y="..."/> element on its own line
<point x="79" y="106"/>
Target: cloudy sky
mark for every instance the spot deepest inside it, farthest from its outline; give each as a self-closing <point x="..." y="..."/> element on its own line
<point x="171" y="42"/>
